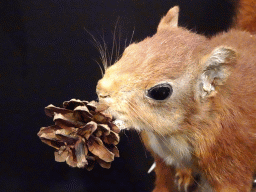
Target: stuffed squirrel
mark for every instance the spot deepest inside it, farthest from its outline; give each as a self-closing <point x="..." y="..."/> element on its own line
<point x="194" y="100"/>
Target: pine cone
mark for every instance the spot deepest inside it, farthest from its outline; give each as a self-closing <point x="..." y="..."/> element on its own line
<point x="82" y="134"/>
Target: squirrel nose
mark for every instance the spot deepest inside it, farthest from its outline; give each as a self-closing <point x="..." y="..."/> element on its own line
<point x="102" y="90"/>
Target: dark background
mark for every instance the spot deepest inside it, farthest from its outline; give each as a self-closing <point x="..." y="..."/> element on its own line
<point x="47" y="56"/>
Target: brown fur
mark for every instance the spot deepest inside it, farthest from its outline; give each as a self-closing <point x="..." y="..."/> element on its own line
<point x="246" y="18"/>
<point x="208" y="125"/>
<point x="165" y="176"/>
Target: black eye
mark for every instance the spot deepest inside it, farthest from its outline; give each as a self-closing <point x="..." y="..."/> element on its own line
<point x="160" y="92"/>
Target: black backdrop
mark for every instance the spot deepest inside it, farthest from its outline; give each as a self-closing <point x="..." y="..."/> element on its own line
<point x="47" y="56"/>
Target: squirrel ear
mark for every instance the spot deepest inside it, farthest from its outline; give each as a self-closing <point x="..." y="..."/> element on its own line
<point x="217" y="66"/>
<point x="170" y="19"/>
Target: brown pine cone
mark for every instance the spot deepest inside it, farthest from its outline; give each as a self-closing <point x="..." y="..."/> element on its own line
<point x="82" y="134"/>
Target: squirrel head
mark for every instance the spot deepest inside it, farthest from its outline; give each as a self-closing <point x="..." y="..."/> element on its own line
<point x="162" y="80"/>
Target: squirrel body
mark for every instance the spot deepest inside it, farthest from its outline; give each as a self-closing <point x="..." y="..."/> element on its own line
<point x="194" y="100"/>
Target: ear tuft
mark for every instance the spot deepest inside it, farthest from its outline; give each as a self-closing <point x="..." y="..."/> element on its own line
<point x="220" y="56"/>
<point x="170" y="19"/>
<point x="216" y="69"/>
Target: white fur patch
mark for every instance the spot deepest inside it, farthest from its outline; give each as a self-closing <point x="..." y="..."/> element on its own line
<point x="120" y="124"/>
<point x="173" y="149"/>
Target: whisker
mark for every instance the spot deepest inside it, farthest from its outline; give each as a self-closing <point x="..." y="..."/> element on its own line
<point x="138" y="115"/>
<point x="123" y="131"/>
<point x="102" y="58"/>
<point x="107" y="57"/>
<point x="119" y="46"/>
<point x="105" y="50"/>
<point x="98" y="46"/>
<point x="132" y="36"/>
<point x="125" y="42"/>
<point x="113" y="42"/>
<point x="101" y="70"/>
<point x="116" y="44"/>
<point x="145" y="150"/>
<point x="164" y="140"/>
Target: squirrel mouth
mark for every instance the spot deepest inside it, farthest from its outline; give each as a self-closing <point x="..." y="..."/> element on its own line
<point x="118" y="118"/>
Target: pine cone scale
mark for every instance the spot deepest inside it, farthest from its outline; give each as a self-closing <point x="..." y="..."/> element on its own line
<point x="96" y="147"/>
